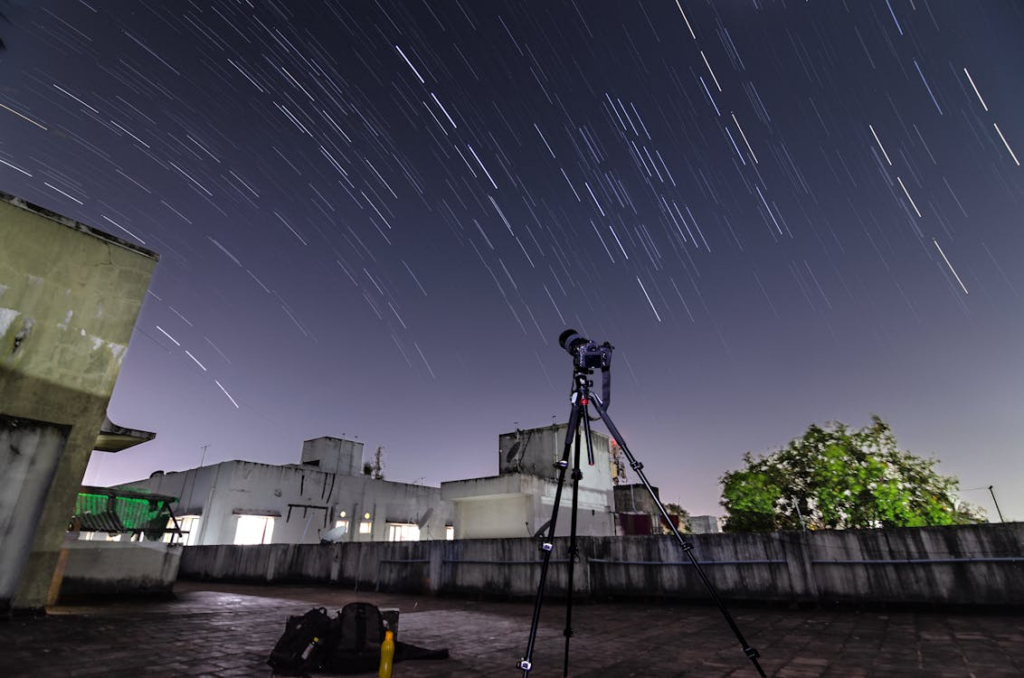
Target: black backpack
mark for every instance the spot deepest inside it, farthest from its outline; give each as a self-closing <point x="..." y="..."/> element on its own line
<point x="355" y="640"/>
<point x="302" y="646"/>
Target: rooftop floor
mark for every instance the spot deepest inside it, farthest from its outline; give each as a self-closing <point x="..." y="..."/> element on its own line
<point x="229" y="630"/>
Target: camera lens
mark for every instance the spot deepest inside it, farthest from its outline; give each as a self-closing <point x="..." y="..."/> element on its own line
<point x="570" y="340"/>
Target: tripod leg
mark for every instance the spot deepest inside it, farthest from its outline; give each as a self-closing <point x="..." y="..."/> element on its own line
<point x="526" y="663"/>
<point x="751" y="653"/>
<point x="573" y="548"/>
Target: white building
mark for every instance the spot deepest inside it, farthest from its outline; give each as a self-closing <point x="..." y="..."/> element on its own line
<point x="241" y="502"/>
<point x="705" y="524"/>
<point x="518" y="502"/>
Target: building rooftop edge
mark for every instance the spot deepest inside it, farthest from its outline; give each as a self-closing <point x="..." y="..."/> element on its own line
<point x="307" y="467"/>
<point x="347" y="440"/>
<point x="21" y="203"/>
<point x="545" y="427"/>
<point x="114" y="438"/>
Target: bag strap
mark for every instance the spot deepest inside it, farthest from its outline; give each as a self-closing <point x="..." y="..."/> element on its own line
<point x="360" y="628"/>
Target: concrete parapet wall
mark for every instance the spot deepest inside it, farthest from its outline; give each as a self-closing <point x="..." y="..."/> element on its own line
<point x="119" y="568"/>
<point x="964" y="565"/>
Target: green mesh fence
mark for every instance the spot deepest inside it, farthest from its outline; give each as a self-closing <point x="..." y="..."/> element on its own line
<point x="111" y="512"/>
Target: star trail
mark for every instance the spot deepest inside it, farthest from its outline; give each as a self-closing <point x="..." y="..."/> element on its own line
<point x="375" y="218"/>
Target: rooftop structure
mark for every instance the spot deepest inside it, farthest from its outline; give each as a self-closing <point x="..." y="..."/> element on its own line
<point x="69" y="298"/>
<point x="325" y="497"/>
<point x="518" y="501"/>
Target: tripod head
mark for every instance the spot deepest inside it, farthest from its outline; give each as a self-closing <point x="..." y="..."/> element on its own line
<point x="587" y="356"/>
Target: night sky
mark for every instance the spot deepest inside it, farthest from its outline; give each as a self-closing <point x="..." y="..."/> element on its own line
<point x="375" y="218"/>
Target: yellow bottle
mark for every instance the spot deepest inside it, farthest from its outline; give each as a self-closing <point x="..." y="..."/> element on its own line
<point x="387" y="655"/>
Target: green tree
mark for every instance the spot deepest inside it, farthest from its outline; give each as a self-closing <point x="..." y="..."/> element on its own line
<point x="836" y="478"/>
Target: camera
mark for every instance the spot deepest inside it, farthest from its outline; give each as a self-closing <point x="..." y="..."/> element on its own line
<point x="586" y="354"/>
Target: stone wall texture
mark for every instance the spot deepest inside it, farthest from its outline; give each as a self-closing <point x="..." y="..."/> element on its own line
<point x="964" y="565"/>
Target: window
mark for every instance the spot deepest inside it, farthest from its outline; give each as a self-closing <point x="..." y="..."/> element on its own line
<point x="366" y="527"/>
<point x="254" y="530"/>
<point x="403" y="532"/>
<point x="188" y="525"/>
<point x="449" y="532"/>
<point x="341" y="525"/>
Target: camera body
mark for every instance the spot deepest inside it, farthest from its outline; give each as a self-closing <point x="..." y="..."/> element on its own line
<point x="590" y="356"/>
<point x="586" y="354"/>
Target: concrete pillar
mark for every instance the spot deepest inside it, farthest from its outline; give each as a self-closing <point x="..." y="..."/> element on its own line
<point x="69" y="298"/>
<point x="30" y="452"/>
<point x="436" y="550"/>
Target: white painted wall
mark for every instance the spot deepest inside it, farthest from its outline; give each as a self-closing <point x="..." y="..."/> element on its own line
<point x="494" y="517"/>
<point x="304" y="501"/>
<point x="520" y="501"/>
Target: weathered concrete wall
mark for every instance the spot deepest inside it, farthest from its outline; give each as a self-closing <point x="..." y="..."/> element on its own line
<point x="520" y="504"/>
<point x="517" y="502"/>
<point x="967" y="565"/>
<point x="69" y="297"/>
<point x="333" y="455"/>
<point x="535" y="451"/>
<point x="97" y="568"/>
<point x="30" y="452"/>
<point x="635" y="498"/>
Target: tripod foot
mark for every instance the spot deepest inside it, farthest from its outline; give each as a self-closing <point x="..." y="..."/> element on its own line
<point x="524" y="665"/>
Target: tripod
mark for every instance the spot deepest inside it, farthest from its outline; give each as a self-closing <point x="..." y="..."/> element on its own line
<point x="581" y="399"/>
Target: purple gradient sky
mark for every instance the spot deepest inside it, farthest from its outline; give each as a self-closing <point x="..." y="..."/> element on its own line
<point x="375" y="219"/>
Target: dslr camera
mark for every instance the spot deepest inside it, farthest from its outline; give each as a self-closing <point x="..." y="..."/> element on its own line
<point x="586" y="354"/>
